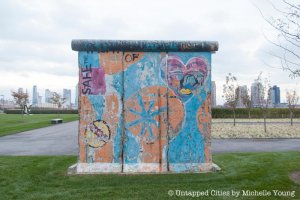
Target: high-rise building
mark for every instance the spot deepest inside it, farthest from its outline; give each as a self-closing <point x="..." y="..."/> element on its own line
<point x="34" y="96"/>
<point x="67" y="97"/>
<point x="242" y="92"/>
<point x="275" y="95"/>
<point x="213" y="94"/>
<point x="48" y="96"/>
<point x="256" y="94"/>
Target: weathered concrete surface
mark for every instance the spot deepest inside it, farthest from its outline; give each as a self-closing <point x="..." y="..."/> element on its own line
<point x="144" y="111"/>
<point x="62" y="140"/>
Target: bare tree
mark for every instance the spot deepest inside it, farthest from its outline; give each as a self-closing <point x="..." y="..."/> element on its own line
<point x="56" y="99"/>
<point x="246" y="100"/>
<point x="231" y="93"/>
<point x="292" y="99"/>
<point x="21" y="99"/>
<point x="286" y="21"/>
<point x="264" y="96"/>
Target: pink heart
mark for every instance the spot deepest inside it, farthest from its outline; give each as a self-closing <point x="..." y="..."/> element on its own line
<point x="196" y="67"/>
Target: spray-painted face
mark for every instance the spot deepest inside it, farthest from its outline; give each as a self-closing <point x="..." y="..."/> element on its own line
<point x="185" y="79"/>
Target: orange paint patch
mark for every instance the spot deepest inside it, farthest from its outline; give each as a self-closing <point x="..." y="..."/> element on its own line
<point x="204" y="125"/>
<point x="204" y="118"/>
<point x="87" y="116"/>
<point x="111" y="62"/>
<point x="104" y="154"/>
<point x="130" y="58"/>
<point x="207" y="153"/>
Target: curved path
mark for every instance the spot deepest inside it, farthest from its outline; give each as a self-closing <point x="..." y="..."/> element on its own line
<point x="62" y="139"/>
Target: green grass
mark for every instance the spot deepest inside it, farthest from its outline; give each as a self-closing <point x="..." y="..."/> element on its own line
<point x="15" y="123"/>
<point x="44" y="177"/>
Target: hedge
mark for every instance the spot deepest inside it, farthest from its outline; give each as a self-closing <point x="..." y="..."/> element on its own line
<point x="42" y="111"/>
<point x="254" y="112"/>
<point x="216" y="112"/>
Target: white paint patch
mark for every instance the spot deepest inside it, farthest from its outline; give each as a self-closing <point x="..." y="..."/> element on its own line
<point x="91" y="168"/>
<point x="193" y="167"/>
<point x="144" y="168"/>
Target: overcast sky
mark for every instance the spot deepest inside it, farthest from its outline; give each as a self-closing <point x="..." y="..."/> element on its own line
<point x="35" y="37"/>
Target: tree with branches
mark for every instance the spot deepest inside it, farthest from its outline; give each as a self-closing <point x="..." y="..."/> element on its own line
<point x="264" y="97"/>
<point x="231" y="93"/>
<point x="56" y="99"/>
<point x="21" y="99"/>
<point x="286" y="22"/>
<point x="246" y="100"/>
<point x="292" y="99"/>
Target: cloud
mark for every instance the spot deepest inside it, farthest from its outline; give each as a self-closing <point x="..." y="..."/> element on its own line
<point x="35" y="36"/>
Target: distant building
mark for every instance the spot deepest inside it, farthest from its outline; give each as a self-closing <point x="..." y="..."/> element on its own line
<point x="67" y="96"/>
<point x="242" y="90"/>
<point x="40" y="100"/>
<point x="34" y="96"/>
<point x="76" y="96"/>
<point x="275" y="95"/>
<point x="48" y="96"/>
<point x="256" y="94"/>
<point x="213" y="94"/>
<point x="20" y="90"/>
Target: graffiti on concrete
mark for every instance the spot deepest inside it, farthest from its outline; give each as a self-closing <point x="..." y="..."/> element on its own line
<point x="145" y="111"/>
<point x="97" y="134"/>
<point x="92" y="80"/>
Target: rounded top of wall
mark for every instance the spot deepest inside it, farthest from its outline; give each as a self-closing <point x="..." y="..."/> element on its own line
<point x="144" y="45"/>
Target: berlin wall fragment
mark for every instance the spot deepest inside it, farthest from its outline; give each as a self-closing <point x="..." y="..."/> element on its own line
<point x="144" y="106"/>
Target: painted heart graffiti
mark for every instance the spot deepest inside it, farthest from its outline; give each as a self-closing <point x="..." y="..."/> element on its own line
<point x="184" y="79"/>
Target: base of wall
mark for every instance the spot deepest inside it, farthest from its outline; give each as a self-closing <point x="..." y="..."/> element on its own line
<point x="102" y="168"/>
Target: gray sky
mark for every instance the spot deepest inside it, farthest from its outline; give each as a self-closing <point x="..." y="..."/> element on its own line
<point x="35" y="37"/>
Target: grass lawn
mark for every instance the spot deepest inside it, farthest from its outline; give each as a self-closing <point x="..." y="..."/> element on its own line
<point x="15" y="123"/>
<point x="45" y="178"/>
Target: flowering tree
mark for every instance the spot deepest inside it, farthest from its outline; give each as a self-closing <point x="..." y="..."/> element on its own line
<point x="21" y="99"/>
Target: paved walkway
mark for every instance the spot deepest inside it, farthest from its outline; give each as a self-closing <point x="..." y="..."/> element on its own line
<point x="62" y="140"/>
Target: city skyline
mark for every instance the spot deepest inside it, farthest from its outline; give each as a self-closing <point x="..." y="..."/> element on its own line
<point x="35" y="98"/>
<point x="276" y="97"/>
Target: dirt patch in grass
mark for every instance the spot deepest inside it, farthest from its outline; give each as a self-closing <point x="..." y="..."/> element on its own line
<point x="295" y="176"/>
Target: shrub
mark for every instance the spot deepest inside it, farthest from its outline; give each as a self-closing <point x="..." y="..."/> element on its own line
<point x="255" y="113"/>
<point x="42" y="111"/>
